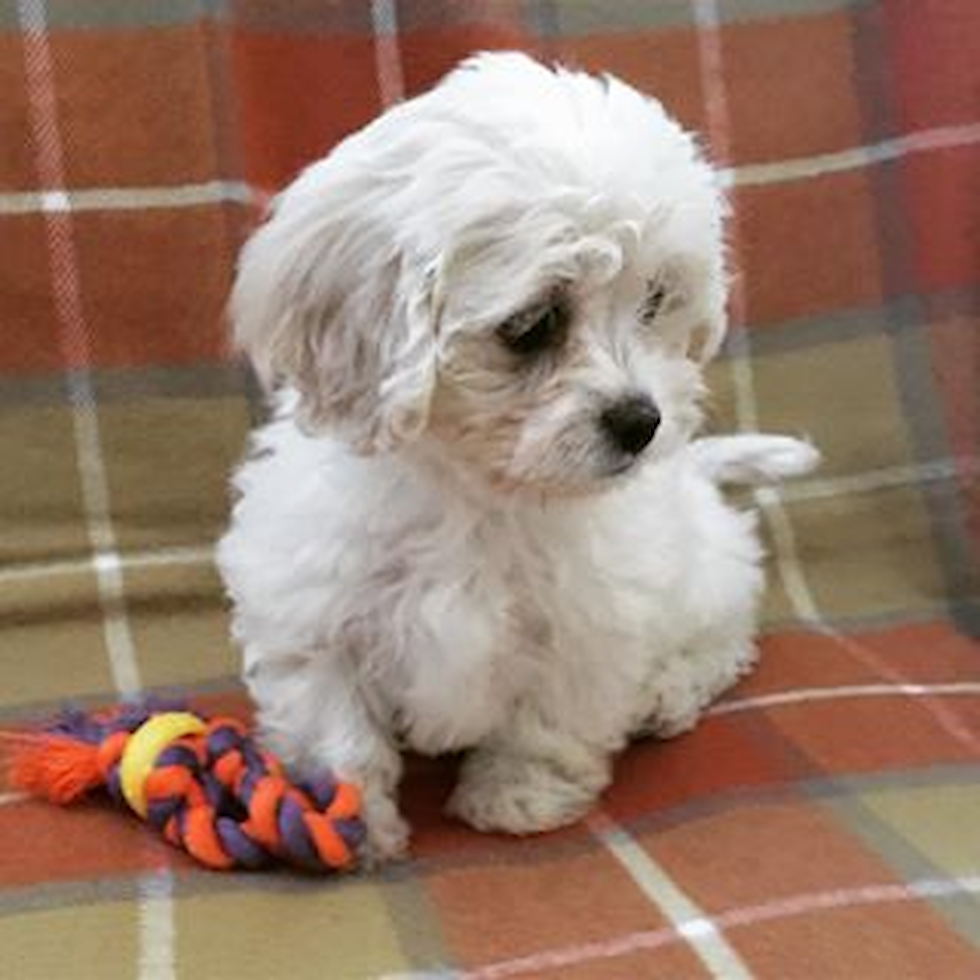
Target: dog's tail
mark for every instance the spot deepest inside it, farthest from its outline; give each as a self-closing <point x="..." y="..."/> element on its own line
<point x="752" y="459"/>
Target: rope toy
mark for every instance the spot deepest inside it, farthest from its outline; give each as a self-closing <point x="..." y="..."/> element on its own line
<point x="204" y="784"/>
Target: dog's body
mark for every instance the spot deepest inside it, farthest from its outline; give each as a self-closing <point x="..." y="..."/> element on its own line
<point x="478" y="520"/>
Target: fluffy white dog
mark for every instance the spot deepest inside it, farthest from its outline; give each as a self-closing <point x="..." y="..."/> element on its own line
<point x="478" y="519"/>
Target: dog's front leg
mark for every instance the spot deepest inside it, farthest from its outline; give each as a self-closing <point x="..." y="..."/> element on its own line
<point x="531" y="777"/>
<point x="312" y="715"/>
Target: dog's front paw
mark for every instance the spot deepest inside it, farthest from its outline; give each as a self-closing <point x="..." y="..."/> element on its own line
<point x="517" y="795"/>
<point x="387" y="832"/>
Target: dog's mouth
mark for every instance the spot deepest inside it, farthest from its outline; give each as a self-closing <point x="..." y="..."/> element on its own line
<point x="621" y="468"/>
<point x="586" y="485"/>
<point x="565" y="488"/>
<point x="592" y="473"/>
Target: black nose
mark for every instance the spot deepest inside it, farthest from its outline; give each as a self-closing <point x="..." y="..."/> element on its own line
<point x="631" y="423"/>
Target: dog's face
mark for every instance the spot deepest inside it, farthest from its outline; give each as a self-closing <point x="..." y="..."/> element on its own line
<point x="573" y="380"/>
<point x="521" y="271"/>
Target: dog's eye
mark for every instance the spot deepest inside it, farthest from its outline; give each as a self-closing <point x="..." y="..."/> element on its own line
<point x="537" y="329"/>
<point x="654" y="301"/>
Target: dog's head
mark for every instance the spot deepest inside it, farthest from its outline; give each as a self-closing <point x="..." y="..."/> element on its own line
<point x="521" y="269"/>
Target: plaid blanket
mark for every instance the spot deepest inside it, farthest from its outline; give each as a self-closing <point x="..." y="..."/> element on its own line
<point x="823" y="820"/>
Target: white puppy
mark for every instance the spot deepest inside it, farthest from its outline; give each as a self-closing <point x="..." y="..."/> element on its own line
<point x="478" y="520"/>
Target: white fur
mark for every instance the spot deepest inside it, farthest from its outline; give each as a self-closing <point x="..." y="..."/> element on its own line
<point x="435" y="543"/>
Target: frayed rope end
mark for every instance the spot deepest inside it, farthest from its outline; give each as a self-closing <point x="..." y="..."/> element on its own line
<point x="55" y="768"/>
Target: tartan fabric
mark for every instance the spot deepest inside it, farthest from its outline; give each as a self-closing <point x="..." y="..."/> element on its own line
<point x="822" y="821"/>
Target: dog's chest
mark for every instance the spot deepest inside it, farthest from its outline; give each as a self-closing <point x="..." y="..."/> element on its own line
<point x="441" y="615"/>
<point x="482" y="614"/>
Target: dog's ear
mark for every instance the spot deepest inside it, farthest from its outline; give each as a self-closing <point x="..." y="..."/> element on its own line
<point x="328" y="301"/>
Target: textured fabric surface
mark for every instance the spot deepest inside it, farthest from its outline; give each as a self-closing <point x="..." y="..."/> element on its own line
<point x="823" y="821"/>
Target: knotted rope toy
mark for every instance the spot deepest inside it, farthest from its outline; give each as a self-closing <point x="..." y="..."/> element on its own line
<point x="204" y="784"/>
